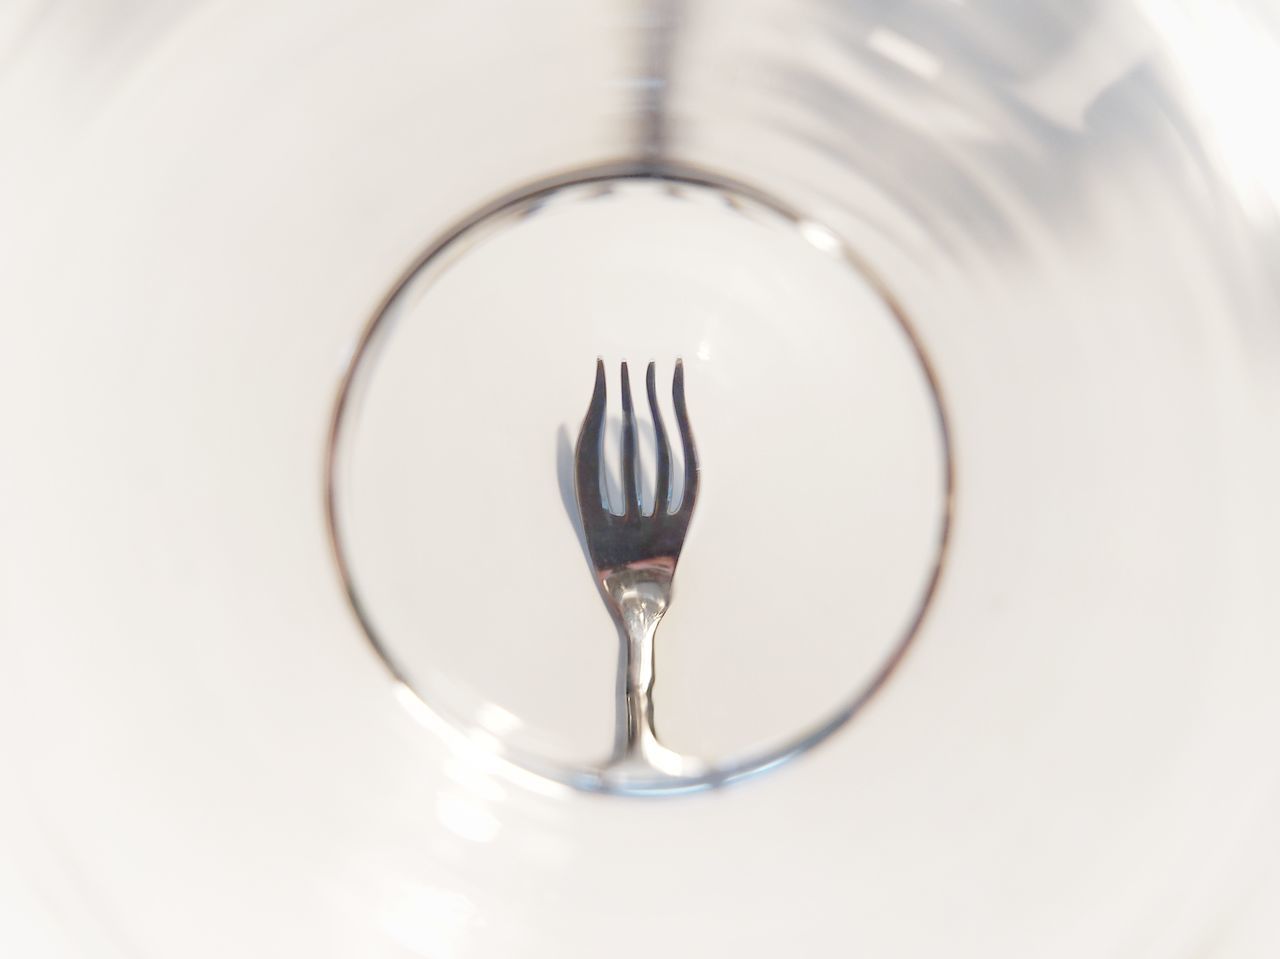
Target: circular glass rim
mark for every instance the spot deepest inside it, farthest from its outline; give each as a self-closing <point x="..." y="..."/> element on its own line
<point x="436" y="256"/>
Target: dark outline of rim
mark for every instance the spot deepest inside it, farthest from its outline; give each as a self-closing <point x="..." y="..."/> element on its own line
<point x="594" y="781"/>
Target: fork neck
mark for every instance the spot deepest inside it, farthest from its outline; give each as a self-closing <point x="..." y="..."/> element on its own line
<point x="640" y="594"/>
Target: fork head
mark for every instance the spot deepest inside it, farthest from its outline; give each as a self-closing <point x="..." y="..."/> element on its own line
<point x="634" y="545"/>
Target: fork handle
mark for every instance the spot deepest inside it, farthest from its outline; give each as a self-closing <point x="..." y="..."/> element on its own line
<point x="640" y="631"/>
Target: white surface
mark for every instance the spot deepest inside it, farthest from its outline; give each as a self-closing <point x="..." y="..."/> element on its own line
<point x="200" y="205"/>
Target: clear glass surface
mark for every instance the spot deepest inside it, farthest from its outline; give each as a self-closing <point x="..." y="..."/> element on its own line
<point x="201" y="208"/>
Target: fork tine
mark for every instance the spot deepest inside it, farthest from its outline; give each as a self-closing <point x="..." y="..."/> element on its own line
<point x="630" y="501"/>
<point x="662" y="485"/>
<point x="690" y="491"/>
<point x="587" y="454"/>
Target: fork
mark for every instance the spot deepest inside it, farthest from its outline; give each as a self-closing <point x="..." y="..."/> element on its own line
<point x="634" y="553"/>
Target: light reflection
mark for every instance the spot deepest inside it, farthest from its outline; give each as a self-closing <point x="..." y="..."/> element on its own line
<point x="1231" y="69"/>
<point x="497" y="720"/>
<point x="422" y="713"/>
<point x="910" y="56"/>
<point x="460" y="743"/>
<point x="821" y="237"/>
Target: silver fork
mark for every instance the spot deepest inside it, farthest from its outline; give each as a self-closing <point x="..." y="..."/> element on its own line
<point x="634" y="553"/>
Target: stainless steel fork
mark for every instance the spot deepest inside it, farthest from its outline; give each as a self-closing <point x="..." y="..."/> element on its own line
<point x="634" y="553"/>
